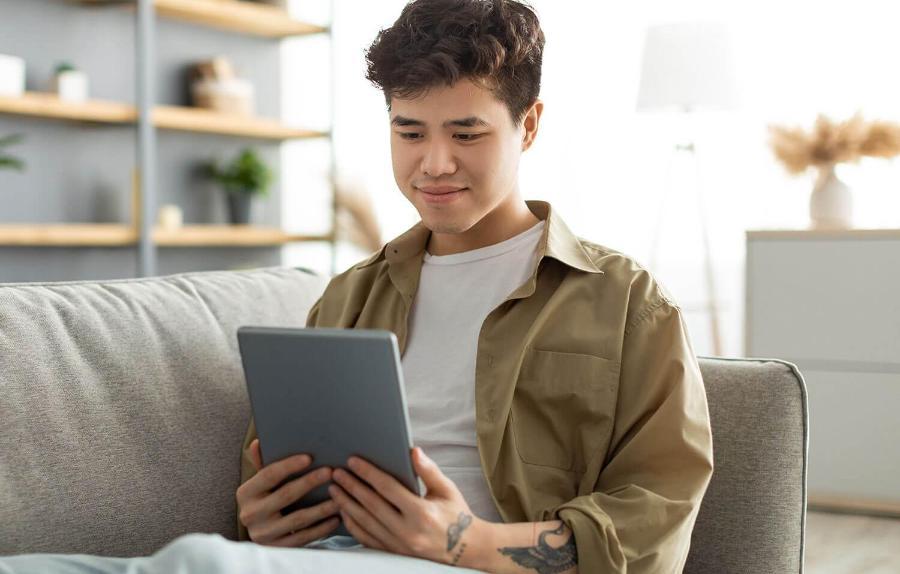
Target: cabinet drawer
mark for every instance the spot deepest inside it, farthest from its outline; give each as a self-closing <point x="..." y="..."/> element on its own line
<point x="828" y="299"/>
<point x="854" y="435"/>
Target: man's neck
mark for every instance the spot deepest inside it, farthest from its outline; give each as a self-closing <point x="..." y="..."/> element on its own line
<point x="497" y="226"/>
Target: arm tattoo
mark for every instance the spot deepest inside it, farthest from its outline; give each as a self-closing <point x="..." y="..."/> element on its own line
<point x="454" y="532"/>
<point x="543" y="558"/>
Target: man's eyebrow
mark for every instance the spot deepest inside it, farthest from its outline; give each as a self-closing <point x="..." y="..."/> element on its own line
<point x="469" y="122"/>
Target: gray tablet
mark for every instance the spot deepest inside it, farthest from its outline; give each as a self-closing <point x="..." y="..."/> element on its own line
<point x="330" y="393"/>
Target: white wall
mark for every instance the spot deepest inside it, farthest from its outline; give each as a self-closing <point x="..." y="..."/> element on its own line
<point x="603" y="165"/>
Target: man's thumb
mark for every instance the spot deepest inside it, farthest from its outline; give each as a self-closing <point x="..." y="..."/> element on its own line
<point x="255" y="454"/>
<point x="431" y="475"/>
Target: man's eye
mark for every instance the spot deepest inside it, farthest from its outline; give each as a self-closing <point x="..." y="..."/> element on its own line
<point x="408" y="135"/>
<point x="468" y="137"/>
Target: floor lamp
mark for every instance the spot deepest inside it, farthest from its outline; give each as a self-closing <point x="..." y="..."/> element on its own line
<point x="687" y="67"/>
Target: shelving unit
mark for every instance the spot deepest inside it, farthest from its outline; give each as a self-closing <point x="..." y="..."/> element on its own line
<point x="235" y="16"/>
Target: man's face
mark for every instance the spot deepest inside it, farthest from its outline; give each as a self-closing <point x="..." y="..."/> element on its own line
<point x="455" y="155"/>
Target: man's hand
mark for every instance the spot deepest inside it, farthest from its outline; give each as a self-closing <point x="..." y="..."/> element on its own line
<point x="260" y="506"/>
<point x="381" y="513"/>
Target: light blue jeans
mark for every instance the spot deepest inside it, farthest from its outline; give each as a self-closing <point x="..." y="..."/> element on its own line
<point x="212" y="553"/>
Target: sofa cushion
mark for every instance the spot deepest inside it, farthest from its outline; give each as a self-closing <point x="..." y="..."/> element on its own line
<point x="123" y="406"/>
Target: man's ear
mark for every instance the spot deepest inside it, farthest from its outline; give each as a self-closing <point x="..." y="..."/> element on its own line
<point x="530" y="122"/>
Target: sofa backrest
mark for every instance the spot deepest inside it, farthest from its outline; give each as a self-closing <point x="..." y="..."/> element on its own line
<point x="753" y="517"/>
<point x="123" y="407"/>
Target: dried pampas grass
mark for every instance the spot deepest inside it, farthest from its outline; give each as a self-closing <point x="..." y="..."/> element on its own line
<point x="356" y="219"/>
<point x="834" y="142"/>
<point x="883" y="140"/>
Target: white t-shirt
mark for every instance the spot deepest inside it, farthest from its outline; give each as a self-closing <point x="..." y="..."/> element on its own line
<point x="456" y="292"/>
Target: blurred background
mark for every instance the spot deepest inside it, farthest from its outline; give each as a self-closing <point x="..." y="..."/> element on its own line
<point x="743" y="152"/>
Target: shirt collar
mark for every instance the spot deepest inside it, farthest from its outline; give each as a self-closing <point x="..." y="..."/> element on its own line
<point x="556" y="241"/>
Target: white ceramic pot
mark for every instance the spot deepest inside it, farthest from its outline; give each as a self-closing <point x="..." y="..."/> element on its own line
<point x="71" y="86"/>
<point x="12" y="76"/>
<point x="170" y="216"/>
<point x="831" y="202"/>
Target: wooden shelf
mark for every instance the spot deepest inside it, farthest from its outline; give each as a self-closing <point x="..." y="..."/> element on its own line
<point x="47" y="105"/>
<point x="118" y="235"/>
<point x="207" y="121"/>
<point x="233" y="15"/>
<point x="67" y="235"/>
<point x="227" y="235"/>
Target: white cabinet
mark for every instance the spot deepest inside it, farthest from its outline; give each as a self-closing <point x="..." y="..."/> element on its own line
<point x="829" y="301"/>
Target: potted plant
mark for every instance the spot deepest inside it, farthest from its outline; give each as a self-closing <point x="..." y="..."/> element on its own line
<point x="8" y="161"/>
<point x="828" y="144"/>
<point x="245" y="176"/>
<point x="69" y="83"/>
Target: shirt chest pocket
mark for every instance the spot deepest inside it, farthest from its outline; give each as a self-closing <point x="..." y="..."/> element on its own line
<point x="563" y="407"/>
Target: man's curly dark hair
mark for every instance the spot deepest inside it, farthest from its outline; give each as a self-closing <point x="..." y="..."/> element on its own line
<point x="497" y="44"/>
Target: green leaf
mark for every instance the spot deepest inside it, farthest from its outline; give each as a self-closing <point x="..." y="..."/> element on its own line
<point x="246" y="173"/>
<point x="65" y="67"/>
<point x="11" y="140"/>
<point x="7" y="162"/>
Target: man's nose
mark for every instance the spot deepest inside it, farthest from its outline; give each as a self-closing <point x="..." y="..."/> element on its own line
<point x="438" y="159"/>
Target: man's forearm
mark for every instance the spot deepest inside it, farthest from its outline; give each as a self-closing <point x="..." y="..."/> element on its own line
<point x="522" y="547"/>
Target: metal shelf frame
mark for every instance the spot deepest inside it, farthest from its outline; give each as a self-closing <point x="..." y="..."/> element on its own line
<point x="145" y="50"/>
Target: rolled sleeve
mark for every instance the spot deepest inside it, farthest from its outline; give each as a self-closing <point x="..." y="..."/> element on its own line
<point x="646" y="498"/>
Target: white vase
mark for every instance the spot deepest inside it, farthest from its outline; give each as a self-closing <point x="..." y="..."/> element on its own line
<point x="831" y="202"/>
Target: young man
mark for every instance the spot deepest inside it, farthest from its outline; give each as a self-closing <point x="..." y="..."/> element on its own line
<point x="550" y="380"/>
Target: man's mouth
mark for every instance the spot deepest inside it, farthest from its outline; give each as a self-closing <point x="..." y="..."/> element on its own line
<point x="441" y="195"/>
<point x="440" y="190"/>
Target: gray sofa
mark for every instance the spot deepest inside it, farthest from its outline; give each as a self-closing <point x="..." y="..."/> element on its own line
<point x="122" y="411"/>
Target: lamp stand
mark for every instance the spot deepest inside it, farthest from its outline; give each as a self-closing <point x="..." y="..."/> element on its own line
<point x="710" y="305"/>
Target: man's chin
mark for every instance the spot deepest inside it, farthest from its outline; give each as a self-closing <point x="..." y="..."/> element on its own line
<point x="448" y="220"/>
<point x="442" y="225"/>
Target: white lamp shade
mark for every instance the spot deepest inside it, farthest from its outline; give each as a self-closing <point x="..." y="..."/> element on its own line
<point x="687" y="66"/>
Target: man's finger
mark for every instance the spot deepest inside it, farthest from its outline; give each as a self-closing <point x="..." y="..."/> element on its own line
<point x="370" y="499"/>
<point x="363" y="518"/>
<point x="361" y="535"/>
<point x="386" y="485"/>
<point x="274" y="474"/>
<point x="292" y="491"/>
<point x="304" y="537"/>
<point x="299" y="519"/>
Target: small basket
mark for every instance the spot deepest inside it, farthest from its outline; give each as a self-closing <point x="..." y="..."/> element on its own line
<point x="232" y="96"/>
